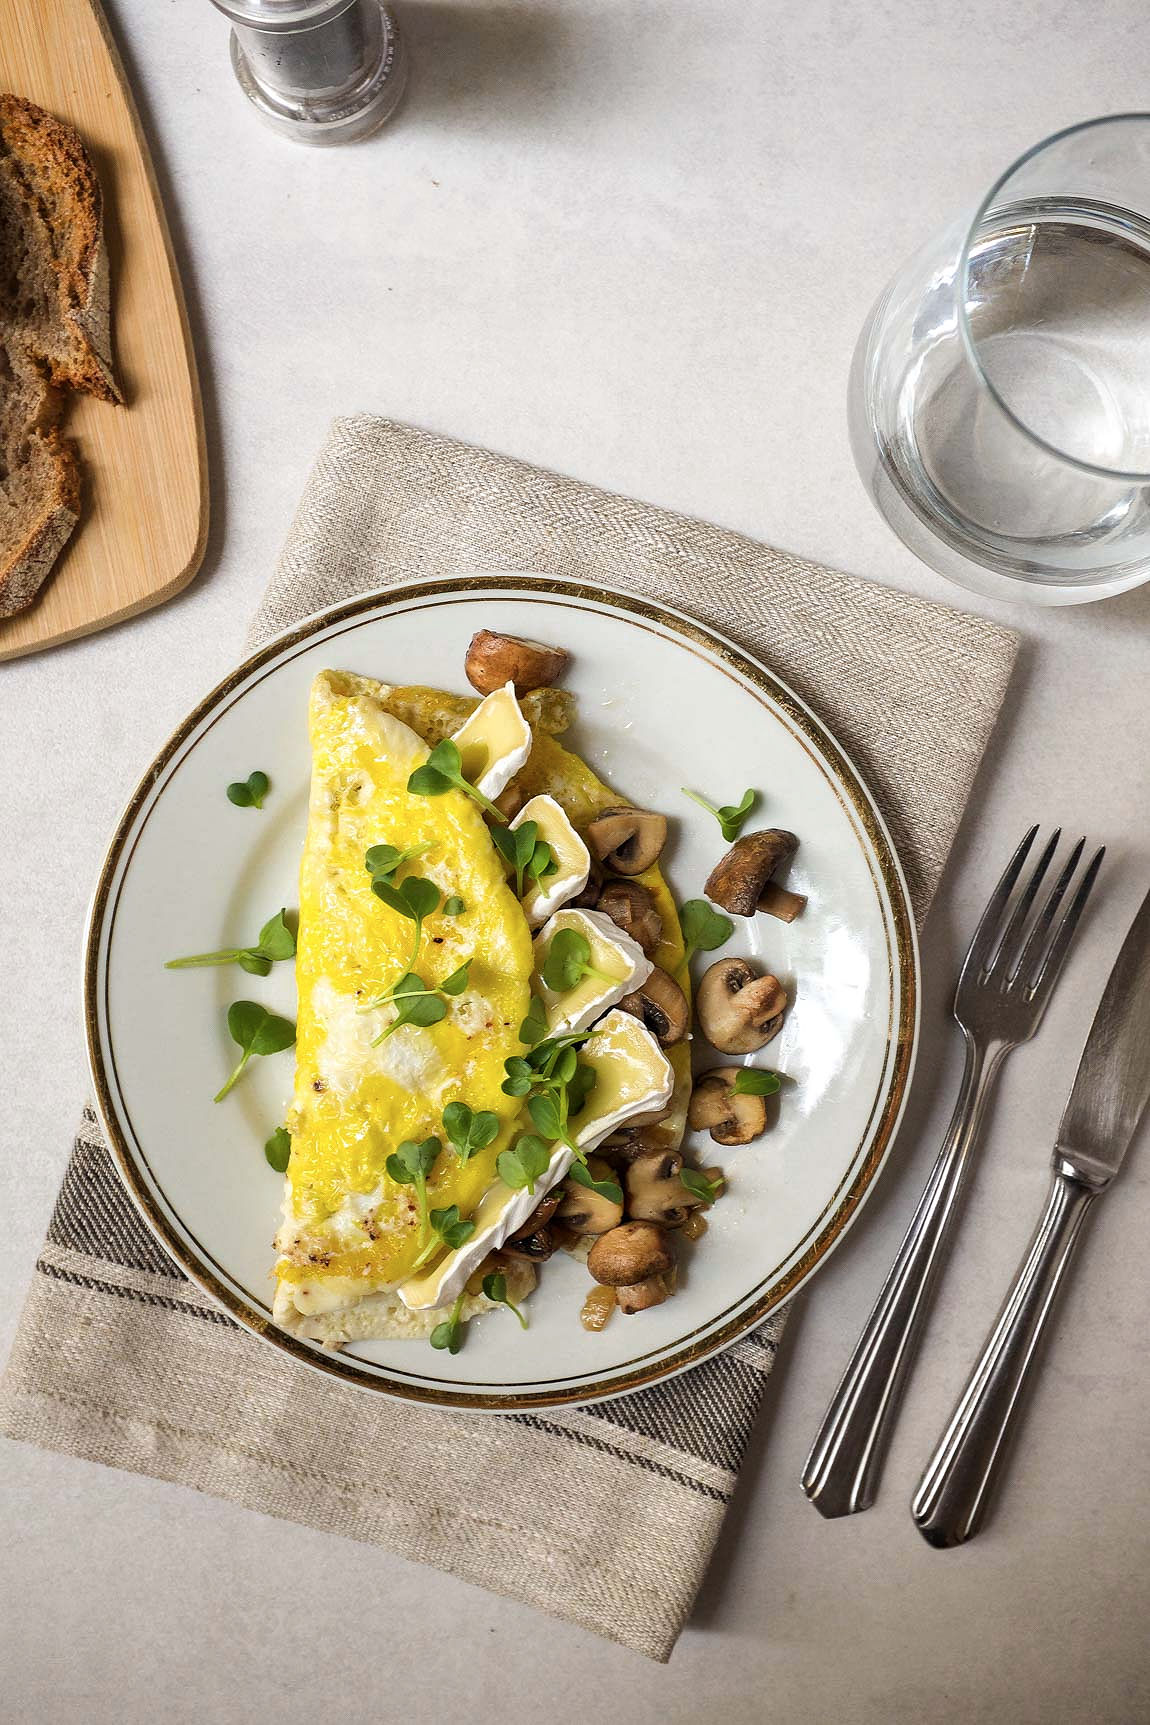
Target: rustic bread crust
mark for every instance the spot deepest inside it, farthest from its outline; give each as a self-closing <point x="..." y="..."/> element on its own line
<point x="54" y="163"/>
<point x="61" y="340"/>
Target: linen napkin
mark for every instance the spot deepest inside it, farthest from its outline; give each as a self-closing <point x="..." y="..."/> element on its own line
<point x="121" y="1360"/>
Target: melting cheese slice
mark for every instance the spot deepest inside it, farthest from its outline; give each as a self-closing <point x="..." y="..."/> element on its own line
<point x="543" y="897"/>
<point x="494" y="742"/>
<point x="634" y="1081"/>
<point x="620" y="963"/>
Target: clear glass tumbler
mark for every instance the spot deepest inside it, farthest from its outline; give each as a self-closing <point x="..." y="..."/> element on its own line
<point x="1000" y="391"/>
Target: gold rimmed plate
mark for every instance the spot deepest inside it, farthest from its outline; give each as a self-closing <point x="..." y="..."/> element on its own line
<point x="663" y="703"/>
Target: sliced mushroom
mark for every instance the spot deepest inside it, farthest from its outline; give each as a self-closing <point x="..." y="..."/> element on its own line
<point x="541" y="1214"/>
<point x="538" y="1246"/>
<point x="715" y="1108"/>
<point x="509" y="802"/>
<point x="493" y="660"/>
<point x="640" y="1295"/>
<point x="662" y="1006"/>
<point x="630" y="1253"/>
<point x="737" y="880"/>
<point x="632" y="907"/>
<point x="632" y="1141"/>
<point x="654" y="1190"/>
<point x="584" y="1211"/>
<point x="777" y="901"/>
<point x="588" y="899"/>
<point x="739" y="1010"/>
<point x="627" y="840"/>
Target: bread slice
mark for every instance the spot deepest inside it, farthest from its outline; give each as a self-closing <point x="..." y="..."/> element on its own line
<point x="54" y="335"/>
<point x="54" y="296"/>
<point x="40" y="489"/>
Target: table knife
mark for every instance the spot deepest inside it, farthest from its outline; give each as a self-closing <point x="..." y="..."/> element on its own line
<point x="1109" y="1095"/>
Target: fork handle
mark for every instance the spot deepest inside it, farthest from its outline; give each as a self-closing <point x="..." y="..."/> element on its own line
<point x="952" y="1496"/>
<point x="842" y="1471"/>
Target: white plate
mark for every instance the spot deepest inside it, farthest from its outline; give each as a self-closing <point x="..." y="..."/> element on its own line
<point x="662" y="703"/>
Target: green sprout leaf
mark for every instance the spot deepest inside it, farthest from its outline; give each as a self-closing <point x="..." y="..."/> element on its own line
<point x="382" y="861"/>
<point x="582" y="1176"/>
<point x="278" y="1149"/>
<point x="545" y="1116"/>
<point x="522" y="1165"/>
<point x="730" y="816"/>
<point x="534" y="1026"/>
<point x="276" y="942"/>
<point x="249" y="793"/>
<point x="449" y="1334"/>
<point x="453" y="906"/>
<point x="527" y="855"/>
<point x="410" y="1165"/>
<point x="452" y="1229"/>
<point x="568" y="961"/>
<point x="468" y="1131"/>
<point x="698" y="1185"/>
<point x="520" y="1078"/>
<point x="420" y="1008"/>
<point x="495" y="1287"/>
<point x="443" y="771"/>
<point x="254" y="1030"/>
<point x="752" y="1081"/>
<point x="415" y="898"/>
<point x="704" y="928"/>
<point x="457" y="981"/>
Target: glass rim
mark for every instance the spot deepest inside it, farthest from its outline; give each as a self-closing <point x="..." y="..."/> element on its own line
<point x="965" y="332"/>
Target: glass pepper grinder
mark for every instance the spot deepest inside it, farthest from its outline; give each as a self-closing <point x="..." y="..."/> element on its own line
<point x="320" y="71"/>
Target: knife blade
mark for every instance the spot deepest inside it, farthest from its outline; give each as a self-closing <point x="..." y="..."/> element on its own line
<point x="1112" y="1086"/>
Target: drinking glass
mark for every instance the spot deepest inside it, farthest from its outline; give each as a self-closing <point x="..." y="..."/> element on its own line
<point x="1000" y="390"/>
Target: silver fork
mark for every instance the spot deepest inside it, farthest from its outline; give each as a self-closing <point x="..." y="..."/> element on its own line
<point x="1003" y="990"/>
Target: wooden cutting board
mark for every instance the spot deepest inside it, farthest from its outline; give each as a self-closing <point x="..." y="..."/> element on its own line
<point x="141" y="536"/>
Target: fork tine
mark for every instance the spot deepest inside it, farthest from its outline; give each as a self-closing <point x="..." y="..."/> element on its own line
<point x="982" y="943"/>
<point x="1026" y="898"/>
<point x="1026" y="964"/>
<point x="1060" y="945"/>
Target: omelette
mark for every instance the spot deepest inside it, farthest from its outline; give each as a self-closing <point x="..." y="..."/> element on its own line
<point x="352" y="1233"/>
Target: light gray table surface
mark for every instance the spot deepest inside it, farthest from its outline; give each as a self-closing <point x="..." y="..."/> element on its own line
<point x="633" y="240"/>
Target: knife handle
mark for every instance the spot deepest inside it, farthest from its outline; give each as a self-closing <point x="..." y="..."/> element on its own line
<point x="952" y="1496"/>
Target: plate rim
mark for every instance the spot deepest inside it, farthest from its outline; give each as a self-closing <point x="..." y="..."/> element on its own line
<point x="906" y="1015"/>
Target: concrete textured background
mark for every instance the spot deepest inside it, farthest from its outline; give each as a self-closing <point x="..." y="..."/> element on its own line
<point x="632" y="240"/>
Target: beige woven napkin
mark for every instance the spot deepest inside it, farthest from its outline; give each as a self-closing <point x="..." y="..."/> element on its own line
<point x="122" y="1360"/>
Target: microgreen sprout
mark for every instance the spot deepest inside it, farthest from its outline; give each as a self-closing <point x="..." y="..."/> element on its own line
<point x="534" y="1026"/>
<point x="568" y="961"/>
<point x="254" y="1030"/>
<point x="276" y="941"/>
<point x="699" y="1186"/>
<point x="382" y="861"/>
<point x="609" y="1189"/>
<point x="730" y="816"/>
<point x="495" y="1287"/>
<point x="409" y="1166"/>
<point x="467" y="1131"/>
<point x="524" y="1163"/>
<point x="447" y="1229"/>
<point x="529" y="856"/>
<point x="277" y="1150"/>
<point x="416" y="898"/>
<point x="753" y="1081"/>
<point x="249" y="793"/>
<point x="453" y="906"/>
<point x="449" y="1334"/>
<point x="418" y="1002"/>
<point x="442" y="771"/>
<point x="704" y="928"/>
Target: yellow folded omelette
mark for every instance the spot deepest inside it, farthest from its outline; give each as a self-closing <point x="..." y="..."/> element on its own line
<point x="350" y="1233"/>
